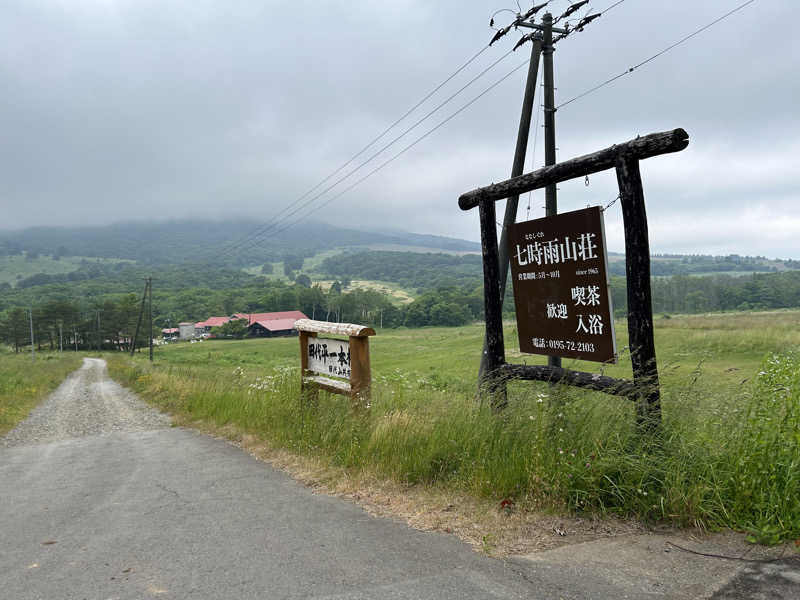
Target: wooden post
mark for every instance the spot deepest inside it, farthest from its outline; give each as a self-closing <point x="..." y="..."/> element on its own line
<point x="494" y="354"/>
<point x="640" y="307"/>
<point x="360" y="373"/>
<point x="303" y="337"/>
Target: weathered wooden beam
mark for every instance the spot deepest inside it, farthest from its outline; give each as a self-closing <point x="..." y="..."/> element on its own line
<point x="591" y="381"/>
<point x="640" y="306"/>
<point x="494" y="354"/>
<point x="639" y="148"/>
<point x="348" y="329"/>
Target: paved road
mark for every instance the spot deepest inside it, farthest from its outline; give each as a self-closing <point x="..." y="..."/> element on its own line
<point x="101" y="499"/>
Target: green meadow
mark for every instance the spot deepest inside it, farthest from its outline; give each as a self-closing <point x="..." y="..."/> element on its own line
<point x="25" y="382"/>
<point x="16" y="267"/>
<point x="728" y="454"/>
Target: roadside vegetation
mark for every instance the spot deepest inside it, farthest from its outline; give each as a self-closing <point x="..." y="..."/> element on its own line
<point x="24" y="383"/>
<point x="729" y="455"/>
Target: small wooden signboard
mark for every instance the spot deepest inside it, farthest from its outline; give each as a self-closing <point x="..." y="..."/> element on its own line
<point x="336" y="365"/>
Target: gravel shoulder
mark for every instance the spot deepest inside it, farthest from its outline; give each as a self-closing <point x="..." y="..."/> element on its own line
<point x="86" y="403"/>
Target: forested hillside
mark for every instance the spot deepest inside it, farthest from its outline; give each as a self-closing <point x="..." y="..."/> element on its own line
<point x="231" y="243"/>
<point x="98" y="298"/>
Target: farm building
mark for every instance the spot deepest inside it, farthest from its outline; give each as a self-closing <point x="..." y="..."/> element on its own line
<point x="271" y="324"/>
<point x="205" y="326"/>
<point x="186" y="331"/>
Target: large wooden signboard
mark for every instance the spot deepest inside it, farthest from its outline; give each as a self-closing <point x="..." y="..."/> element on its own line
<point x="559" y="271"/>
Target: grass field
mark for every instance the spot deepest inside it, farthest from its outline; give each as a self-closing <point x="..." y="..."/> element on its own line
<point x="24" y="383"/>
<point x="13" y="268"/>
<point x="729" y="455"/>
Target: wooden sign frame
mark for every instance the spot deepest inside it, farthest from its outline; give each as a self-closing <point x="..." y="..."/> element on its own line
<point x="358" y="387"/>
<point x="624" y="158"/>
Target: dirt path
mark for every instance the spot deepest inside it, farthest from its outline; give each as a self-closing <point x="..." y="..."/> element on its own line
<point x="87" y="403"/>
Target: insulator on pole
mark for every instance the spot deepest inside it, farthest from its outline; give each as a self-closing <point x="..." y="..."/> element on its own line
<point x="573" y="7"/>
<point x="586" y="20"/>
<point x="522" y="40"/>
<point x="533" y="10"/>
<point x="500" y="34"/>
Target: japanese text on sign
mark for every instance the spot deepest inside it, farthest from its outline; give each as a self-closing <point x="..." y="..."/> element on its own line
<point x="329" y="357"/>
<point x="564" y="309"/>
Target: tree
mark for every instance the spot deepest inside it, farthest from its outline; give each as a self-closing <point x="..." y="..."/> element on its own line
<point x="232" y="329"/>
<point x="303" y="280"/>
<point x="15" y="328"/>
<point x="267" y="269"/>
<point x="449" y="314"/>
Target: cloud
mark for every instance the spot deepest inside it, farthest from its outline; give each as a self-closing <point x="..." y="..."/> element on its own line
<point x="139" y="109"/>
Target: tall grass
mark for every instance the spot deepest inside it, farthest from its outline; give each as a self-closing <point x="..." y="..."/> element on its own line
<point x="24" y="383"/>
<point x="725" y="459"/>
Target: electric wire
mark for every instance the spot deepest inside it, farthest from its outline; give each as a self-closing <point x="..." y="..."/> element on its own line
<point x="408" y="147"/>
<point x="277" y="223"/>
<point x="533" y="157"/>
<point x="371" y="143"/>
<point x="654" y="56"/>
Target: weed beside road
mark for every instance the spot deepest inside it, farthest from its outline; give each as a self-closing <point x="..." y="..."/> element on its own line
<point x="729" y="456"/>
<point x="24" y="383"/>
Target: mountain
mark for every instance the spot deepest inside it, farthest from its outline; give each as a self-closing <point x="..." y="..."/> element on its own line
<point x="232" y="243"/>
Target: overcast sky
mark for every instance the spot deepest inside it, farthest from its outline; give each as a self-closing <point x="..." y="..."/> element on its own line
<point x="112" y="110"/>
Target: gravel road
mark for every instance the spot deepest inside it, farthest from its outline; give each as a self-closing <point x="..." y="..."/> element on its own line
<point x="87" y="403"/>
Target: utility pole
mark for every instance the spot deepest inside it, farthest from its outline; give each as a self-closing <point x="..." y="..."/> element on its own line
<point x="30" y="319"/>
<point x="517" y="167"/>
<point x="75" y="336"/>
<point x="60" y="338"/>
<point x="139" y="321"/>
<point x="98" y="330"/>
<point x="551" y="204"/>
<point x="150" y="314"/>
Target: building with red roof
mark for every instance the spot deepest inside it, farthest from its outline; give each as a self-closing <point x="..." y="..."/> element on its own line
<point x="205" y="326"/>
<point x="271" y="324"/>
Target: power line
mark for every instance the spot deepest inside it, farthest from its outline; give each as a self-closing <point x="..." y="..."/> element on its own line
<point x="533" y="158"/>
<point x="375" y="140"/>
<point x="408" y="147"/>
<point x="277" y="223"/>
<point x="656" y="55"/>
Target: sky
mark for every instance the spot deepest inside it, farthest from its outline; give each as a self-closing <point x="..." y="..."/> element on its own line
<point x="113" y="110"/>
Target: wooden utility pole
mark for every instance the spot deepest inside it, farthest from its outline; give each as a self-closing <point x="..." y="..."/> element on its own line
<point x="30" y="319"/>
<point x="139" y="321"/>
<point x="150" y="314"/>
<point x="517" y="168"/>
<point x="551" y="203"/>
<point x="60" y="338"/>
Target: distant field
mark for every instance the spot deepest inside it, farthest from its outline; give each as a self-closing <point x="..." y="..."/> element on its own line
<point x="276" y="275"/>
<point x="727" y="456"/>
<point x="13" y="268"/>
<point x="418" y="249"/>
<point x="396" y="294"/>
<point x="725" y="347"/>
